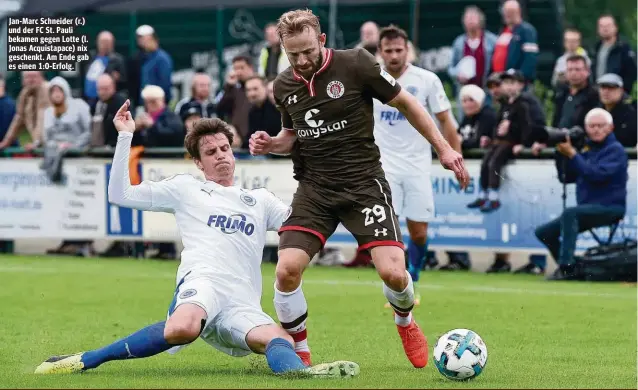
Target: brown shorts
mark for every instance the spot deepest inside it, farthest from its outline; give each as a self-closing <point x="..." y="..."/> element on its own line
<point x="366" y="211"/>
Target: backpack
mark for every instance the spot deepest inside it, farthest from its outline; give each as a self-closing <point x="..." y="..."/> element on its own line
<point x="614" y="262"/>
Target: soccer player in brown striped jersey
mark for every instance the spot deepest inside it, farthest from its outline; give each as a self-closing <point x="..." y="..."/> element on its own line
<point x="325" y="98"/>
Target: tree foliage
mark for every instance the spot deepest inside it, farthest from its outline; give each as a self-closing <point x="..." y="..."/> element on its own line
<point x="583" y="15"/>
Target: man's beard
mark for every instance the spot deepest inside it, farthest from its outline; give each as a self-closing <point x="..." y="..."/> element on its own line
<point x="315" y="67"/>
<point x="395" y="68"/>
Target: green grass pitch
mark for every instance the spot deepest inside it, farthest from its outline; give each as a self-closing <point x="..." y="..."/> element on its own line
<point x="539" y="334"/>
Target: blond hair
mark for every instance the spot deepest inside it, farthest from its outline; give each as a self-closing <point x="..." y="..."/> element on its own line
<point x="296" y="22"/>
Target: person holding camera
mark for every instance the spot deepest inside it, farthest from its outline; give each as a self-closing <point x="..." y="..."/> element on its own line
<point x="514" y="127"/>
<point x="600" y="174"/>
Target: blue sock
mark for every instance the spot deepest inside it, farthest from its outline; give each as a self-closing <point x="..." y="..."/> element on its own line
<point x="281" y="357"/>
<point x="538" y="260"/>
<point x="416" y="259"/>
<point x="143" y="343"/>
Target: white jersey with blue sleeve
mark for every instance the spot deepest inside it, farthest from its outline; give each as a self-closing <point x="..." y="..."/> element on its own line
<point x="403" y="149"/>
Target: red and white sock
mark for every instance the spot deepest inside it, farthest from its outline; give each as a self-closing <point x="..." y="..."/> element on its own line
<point x="401" y="301"/>
<point x="292" y="312"/>
<point x="402" y="319"/>
<point x="301" y="341"/>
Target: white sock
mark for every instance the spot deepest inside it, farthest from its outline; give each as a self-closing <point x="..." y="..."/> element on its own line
<point x="403" y="301"/>
<point x="492" y="195"/>
<point x="292" y="312"/>
<point x="402" y="321"/>
<point x="482" y="194"/>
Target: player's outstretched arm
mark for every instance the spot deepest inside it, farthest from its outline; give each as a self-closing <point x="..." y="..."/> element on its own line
<point x="424" y="124"/>
<point x="261" y="143"/>
<point x="120" y="191"/>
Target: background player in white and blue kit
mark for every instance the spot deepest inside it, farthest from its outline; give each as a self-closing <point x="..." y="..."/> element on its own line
<point x="219" y="284"/>
<point x="406" y="156"/>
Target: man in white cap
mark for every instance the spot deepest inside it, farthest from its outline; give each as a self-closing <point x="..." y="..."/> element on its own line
<point x="157" y="65"/>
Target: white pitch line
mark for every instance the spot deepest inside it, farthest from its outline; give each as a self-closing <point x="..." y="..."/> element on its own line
<point x="336" y="282"/>
<point x="472" y="288"/>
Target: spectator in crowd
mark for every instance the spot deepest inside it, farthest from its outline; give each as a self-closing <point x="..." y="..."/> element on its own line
<point x="574" y="100"/>
<point x="493" y="85"/>
<point x="157" y="65"/>
<point x="614" y="99"/>
<point x="600" y="174"/>
<point x="104" y="60"/>
<point x="516" y="46"/>
<point x="159" y="126"/>
<point x="272" y="59"/>
<point x="537" y="117"/>
<point x="134" y="75"/>
<point x="233" y="104"/>
<point x="7" y="111"/>
<point x="103" y="131"/>
<point x="613" y="54"/>
<point x="191" y="112"/>
<point x="479" y="119"/>
<point x="369" y="37"/>
<point x="270" y="88"/>
<point x="263" y="114"/>
<point x="200" y="94"/>
<point x="32" y="101"/>
<point x="512" y="130"/>
<point x="572" y="44"/>
<point x="474" y="47"/>
<point x="66" y="126"/>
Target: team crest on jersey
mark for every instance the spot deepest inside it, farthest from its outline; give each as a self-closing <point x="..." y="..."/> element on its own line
<point x="248" y="199"/>
<point x="188" y="293"/>
<point x="411" y="90"/>
<point x="335" y="89"/>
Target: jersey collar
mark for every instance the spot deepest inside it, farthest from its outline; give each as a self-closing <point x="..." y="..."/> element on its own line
<point x="311" y="84"/>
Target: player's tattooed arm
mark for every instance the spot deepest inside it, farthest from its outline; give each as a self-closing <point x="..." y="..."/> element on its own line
<point x="419" y="119"/>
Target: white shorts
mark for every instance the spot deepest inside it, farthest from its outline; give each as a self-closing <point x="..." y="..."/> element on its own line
<point x="412" y="196"/>
<point x="230" y="316"/>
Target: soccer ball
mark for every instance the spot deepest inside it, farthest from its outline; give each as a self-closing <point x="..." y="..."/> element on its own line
<point x="460" y="354"/>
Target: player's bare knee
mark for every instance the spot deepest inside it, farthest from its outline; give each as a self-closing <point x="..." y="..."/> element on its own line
<point x="390" y="265"/>
<point x="288" y="276"/>
<point x="185" y="325"/>
<point x="395" y="278"/>
<point x="289" y="270"/>
<point x="182" y="332"/>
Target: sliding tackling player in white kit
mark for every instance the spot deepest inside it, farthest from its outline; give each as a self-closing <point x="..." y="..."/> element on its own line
<point x="406" y="156"/>
<point x="219" y="284"/>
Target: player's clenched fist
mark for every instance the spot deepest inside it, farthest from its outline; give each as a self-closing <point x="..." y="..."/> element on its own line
<point x="452" y="160"/>
<point x="123" y="120"/>
<point x="260" y="143"/>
